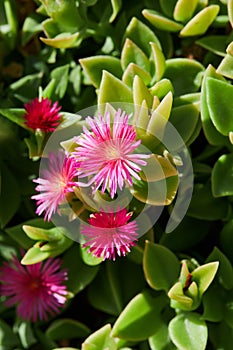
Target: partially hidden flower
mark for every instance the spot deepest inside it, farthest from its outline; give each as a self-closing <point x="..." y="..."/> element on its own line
<point x="106" y="153"/>
<point x="36" y="290"/>
<point x="57" y="180"/>
<point x="41" y="114"/>
<point x="109" y="234"/>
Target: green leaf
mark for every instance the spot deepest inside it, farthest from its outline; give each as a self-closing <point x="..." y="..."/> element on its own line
<point x="89" y="258"/>
<point x="184" y="10"/>
<point x="219" y="99"/>
<point x="225" y="270"/>
<point x="66" y="328"/>
<point x="211" y="133"/>
<point x="31" y="26"/>
<point x="199" y="24"/>
<point x="25" y="333"/>
<point x="214" y="43"/>
<point x="131" y="53"/>
<point x="157" y="168"/>
<point x="26" y="88"/>
<point x="204" y="206"/>
<point x="221" y="336"/>
<point x="161" y="266"/>
<point x="141" y="35"/>
<point x="161" y="340"/>
<point x="10" y="195"/>
<point x="225" y="67"/>
<point x="35" y="255"/>
<point x="140" y="318"/>
<point x="214" y="303"/>
<point x="222" y="176"/>
<point x="94" y="66"/>
<point x="116" y="6"/>
<point x="63" y="41"/>
<point x="185" y="75"/>
<point x="188" y="331"/>
<point x="230" y="11"/>
<point x="203" y="275"/>
<point x="131" y="71"/>
<point x="72" y="261"/>
<point x="161" y="22"/>
<point x="60" y="75"/>
<point x="167" y="6"/>
<point x="113" y="90"/>
<point x="8" y="339"/>
<point x="226" y="239"/>
<point x="228" y="314"/>
<point x="158" y="61"/>
<point x="185" y="119"/>
<point x="111" y="290"/>
<point x="141" y="93"/>
<point x="101" y="339"/>
<point x="161" y="88"/>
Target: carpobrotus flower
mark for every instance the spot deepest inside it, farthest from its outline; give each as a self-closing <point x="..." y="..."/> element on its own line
<point x="57" y="180"/>
<point x="42" y="114"/>
<point x="106" y="153"/>
<point x="37" y="290"/>
<point x="109" y="234"/>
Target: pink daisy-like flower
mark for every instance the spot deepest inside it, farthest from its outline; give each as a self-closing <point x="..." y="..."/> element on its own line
<point x="106" y="153"/>
<point x="42" y="115"/>
<point x="57" y="180"/>
<point x="109" y="234"/>
<point x="37" y="290"/>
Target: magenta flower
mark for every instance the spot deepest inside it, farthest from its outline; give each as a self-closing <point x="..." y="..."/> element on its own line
<point x="109" y="234"/>
<point x="37" y="290"/>
<point x="106" y="153"/>
<point x="42" y="115"/>
<point x="57" y="180"/>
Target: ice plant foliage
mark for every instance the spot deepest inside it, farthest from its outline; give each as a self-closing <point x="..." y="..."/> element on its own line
<point x="108" y="234"/>
<point x="56" y="181"/>
<point x="37" y="290"/>
<point x="41" y="114"/>
<point x="106" y="153"/>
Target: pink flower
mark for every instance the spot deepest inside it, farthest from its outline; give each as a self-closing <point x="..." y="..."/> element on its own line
<point x="57" y="180"/>
<point x="109" y="234"/>
<point x="106" y="152"/>
<point x="42" y="115"/>
<point x="37" y="290"/>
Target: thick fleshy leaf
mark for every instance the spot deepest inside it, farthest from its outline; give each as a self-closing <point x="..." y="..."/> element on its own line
<point x="141" y="35"/>
<point x="116" y="6"/>
<point x="131" y="53"/>
<point x="185" y="119"/>
<point x="214" y="43"/>
<point x="8" y="339"/>
<point x="203" y="275"/>
<point x="185" y="75"/>
<point x="60" y="75"/>
<point x="66" y="328"/>
<point x="72" y="261"/>
<point x="140" y="318"/>
<point x="188" y="331"/>
<point x="221" y="336"/>
<point x="25" y="332"/>
<point x="157" y="168"/>
<point x="112" y="290"/>
<point x="161" y="340"/>
<point x="31" y="26"/>
<point x="113" y="90"/>
<point x="161" y="88"/>
<point x="226" y="240"/>
<point x="184" y="10"/>
<point x="226" y="66"/>
<point x="204" y="206"/>
<point x="161" y="266"/>
<point x="161" y="22"/>
<point x="141" y="92"/>
<point x="10" y="195"/>
<point x="214" y="296"/>
<point x="230" y="11"/>
<point x="101" y="339"/>
<point x="225" y="270"/>
<point x="228" y="314"/>
<point x="167" y="6"/>
<point x="222" y="184"/>
<point x="88" y="258"/>
<point x="26" y="88"/>
<point x="158" y="61"/>
<point x="94" y="66"/>
<point x="131" y="71"/>
<point x="199" y="24"/>
<point x="63" y="41"/>
<point x="210" y="131"/>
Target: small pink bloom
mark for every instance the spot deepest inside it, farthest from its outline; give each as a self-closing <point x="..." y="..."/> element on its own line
<point x="109" y="234"/>
<point x="42" y="115"/>
<point x="37" y="290"/>
<point x="106" y="153"/>
<point x="57" y="180"/>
